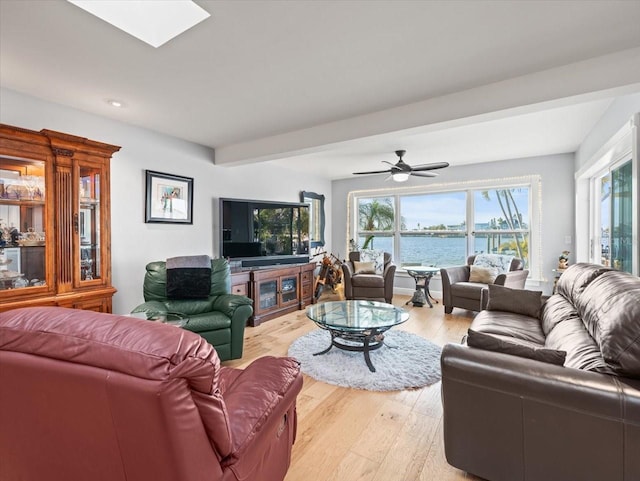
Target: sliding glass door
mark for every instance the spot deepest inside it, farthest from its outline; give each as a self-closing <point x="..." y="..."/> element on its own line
<point x="613" y="219"/>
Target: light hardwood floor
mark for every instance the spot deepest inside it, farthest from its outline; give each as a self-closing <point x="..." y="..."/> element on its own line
<point x="354" y="435"/>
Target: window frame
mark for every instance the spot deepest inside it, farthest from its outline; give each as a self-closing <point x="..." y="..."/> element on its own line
<point x="532" y="182"/>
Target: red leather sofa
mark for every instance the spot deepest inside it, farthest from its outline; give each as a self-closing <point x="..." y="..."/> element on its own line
<point x="91" y="396"/>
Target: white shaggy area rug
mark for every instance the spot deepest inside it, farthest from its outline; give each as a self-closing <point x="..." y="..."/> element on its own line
<point x="405" y="361"/>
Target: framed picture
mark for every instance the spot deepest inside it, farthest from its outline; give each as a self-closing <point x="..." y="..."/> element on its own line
<point x="169" y="198"/>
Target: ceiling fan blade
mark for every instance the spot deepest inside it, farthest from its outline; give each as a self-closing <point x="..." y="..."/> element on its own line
<point x="372" y="172"/>
<point x="424" y="174"/>
<point x="387" y="162"/>
<point x="434" y="166"/>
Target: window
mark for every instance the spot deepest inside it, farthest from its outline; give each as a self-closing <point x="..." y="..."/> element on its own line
<point x="501" y="221"/>
<point x="433" y="229"/>
<point x="442" y="228"/>
<point x="376" y="223"/>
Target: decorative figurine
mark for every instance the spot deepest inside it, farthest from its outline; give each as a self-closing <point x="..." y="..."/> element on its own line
<point x="563" y="260"/>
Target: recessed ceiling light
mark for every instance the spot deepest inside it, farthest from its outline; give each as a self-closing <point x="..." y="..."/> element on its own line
<point x="115" y="103"/>
<point x="152" y="21"/>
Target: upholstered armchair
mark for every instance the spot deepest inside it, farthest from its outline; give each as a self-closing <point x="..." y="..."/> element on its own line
<point x="94" y="396"/>
<point x="362" y="282"/>
<point x="462" y="285"/>
<point x="220" y="317"/>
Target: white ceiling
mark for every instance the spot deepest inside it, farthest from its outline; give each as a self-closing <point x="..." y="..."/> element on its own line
<point x="256" y="72"/>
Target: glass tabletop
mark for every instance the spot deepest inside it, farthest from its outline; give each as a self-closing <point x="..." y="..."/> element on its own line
<point x="421" y="270"/>
<point x="356" y="315"/>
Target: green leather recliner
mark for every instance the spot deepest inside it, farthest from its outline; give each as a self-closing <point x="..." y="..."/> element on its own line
<point x="219" y="318"/>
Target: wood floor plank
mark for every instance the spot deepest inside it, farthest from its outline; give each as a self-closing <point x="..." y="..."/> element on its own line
<point x="355" y="435"/>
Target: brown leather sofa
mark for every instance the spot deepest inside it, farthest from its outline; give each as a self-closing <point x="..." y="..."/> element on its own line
<point x="457" y="291"/>
<point x="509" y="418"/>
<point x="368" y="286"/>
<point x="91" y="396"/>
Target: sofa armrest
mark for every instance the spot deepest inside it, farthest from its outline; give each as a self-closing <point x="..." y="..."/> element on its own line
<point x="512" y="279"/>
<point x="347" y="274"/>
<point x="257" y="402"/>
<point x="151" y="308"/>
<point x="526" y="413"/>
<point x="229" y="303"/>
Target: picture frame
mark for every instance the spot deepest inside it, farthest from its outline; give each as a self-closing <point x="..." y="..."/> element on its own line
<point x="169" y="198"/>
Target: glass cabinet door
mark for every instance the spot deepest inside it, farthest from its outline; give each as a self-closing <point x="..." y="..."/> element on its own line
<point x="22" y="223"/>
<point x="87" y="223"/>
<point x="289" y="289"/>
<point x="268" y="294"/>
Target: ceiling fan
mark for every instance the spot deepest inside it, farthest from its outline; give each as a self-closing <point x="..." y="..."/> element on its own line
<point x="400" y="171"/>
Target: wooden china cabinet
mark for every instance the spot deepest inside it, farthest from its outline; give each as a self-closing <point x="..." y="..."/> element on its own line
<point x="55" y="243"/>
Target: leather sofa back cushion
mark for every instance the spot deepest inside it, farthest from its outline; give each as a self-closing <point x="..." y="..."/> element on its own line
<point x="571" y="336"/>
<point x="155" y="280"/>
<point x="488" y="342"/>
<point x="556" y="310"/>
<point x="610" y="309"/>
<point x="576" y="278"/>
<point x="519" y="301"/>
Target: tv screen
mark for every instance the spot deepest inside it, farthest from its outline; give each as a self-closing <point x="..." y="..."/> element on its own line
<point x="274" y="232"/>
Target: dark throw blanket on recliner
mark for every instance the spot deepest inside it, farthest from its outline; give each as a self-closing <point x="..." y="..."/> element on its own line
<point x="188" y="277"/>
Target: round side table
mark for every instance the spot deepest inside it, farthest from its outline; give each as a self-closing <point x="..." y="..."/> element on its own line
<point x="422" y="275"/>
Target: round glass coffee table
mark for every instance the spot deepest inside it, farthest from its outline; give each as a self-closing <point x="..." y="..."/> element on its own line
<point x="356" y="325"/>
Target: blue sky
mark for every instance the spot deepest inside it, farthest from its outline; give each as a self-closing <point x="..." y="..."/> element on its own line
<point x="448" y="208"/>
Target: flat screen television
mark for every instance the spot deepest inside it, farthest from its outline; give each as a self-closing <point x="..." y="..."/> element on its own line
<point x="264" y="233"/>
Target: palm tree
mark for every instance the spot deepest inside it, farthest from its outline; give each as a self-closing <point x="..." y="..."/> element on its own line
<point x="513" y="217"/>
<point x="376" y="215"/>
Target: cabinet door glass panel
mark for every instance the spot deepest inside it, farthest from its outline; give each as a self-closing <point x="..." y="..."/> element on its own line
<point x="268" y="294"/>
<point x="88" y="224"/>
<point x="289" y="291"/>
<point x="22" y="223"/>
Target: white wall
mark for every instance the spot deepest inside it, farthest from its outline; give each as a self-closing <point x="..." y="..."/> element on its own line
<point x="620" y="111"/>
<point x="557" y="220"/>
<point x="613" y="133"/>
<point x="133" y="242"/>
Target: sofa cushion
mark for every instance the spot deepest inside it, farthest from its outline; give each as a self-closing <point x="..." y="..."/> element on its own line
<point x="555" y="310"/>
<point x="516" y="326"/>
<point x="488" y="342"/>
<point x="375" y="256"/>
<point x="500" y="262"/>
<point x="583" y="353"/>
<point x="364" y="267"/>
<point x="576" y="278"/>
<point x="367" y="280"/>
<point x="610" y="310"/>
<point x="208" y="321"/>
<point x="519" y="301"/>
<point x="468" y="290"/>
<point x="189" y="307"/>
<point x="484" y="275"/>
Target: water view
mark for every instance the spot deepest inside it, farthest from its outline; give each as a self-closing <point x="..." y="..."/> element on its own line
<point x="433" y="251"/>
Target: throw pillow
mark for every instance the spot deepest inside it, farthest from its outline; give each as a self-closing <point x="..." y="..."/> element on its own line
<point x="375" y="256"/>
<point x="518" y="301"/>
<point x="487" y="342"/>
<point x="363" y="267"/>
<point x="500" y="262"/>
<point x="484" y="275"/>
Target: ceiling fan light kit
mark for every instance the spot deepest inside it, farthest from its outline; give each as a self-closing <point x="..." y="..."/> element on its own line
<point x="400" y="176"/>
<point x="400" y="171"/>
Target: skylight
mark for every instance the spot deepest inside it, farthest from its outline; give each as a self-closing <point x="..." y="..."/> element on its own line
<point x="152" y="21"/>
